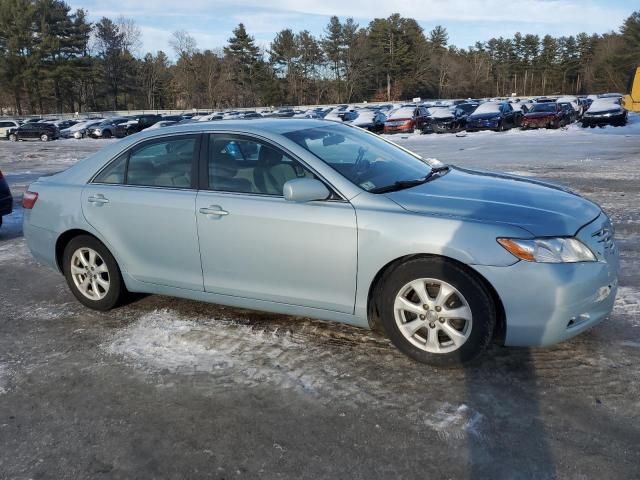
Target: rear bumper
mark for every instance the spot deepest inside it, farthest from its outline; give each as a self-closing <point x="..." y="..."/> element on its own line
<point x="6" y="205"/>
<point x="41" y="243"/>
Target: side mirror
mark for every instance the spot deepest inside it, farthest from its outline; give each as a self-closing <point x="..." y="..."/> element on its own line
<point x="305" y="190"/>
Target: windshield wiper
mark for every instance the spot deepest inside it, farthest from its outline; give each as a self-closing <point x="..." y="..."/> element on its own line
<point x="402" y="184"/>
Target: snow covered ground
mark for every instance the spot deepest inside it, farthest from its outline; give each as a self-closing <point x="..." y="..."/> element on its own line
<point x="165" y="385"/>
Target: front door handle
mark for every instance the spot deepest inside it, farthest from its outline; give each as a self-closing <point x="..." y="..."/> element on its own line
<point x="214" y="210"/>
<point x="98" y="199"/>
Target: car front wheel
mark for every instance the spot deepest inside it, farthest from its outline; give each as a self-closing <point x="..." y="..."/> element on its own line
<point x="13" y="137"/>
<point x="435" y="312"/>
<point x="92" y="273"/>
<point x="44" y="137"/>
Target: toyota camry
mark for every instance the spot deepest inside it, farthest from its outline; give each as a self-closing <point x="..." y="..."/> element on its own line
<point x="325" y="220"/>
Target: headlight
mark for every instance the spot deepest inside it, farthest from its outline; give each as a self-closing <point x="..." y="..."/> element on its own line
<point x="548" y="250"/>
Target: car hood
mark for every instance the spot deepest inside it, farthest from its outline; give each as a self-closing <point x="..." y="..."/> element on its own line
<point x="542" y="209"/>
<point x="484" y="116"/>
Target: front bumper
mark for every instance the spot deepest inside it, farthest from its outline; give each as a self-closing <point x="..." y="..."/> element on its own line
<point x="537" y="123"/>
<point x="588" y="120"/>
<point x="547" y="303"/>
<point x="483" y="125"/>
<point x="404" y="128"/>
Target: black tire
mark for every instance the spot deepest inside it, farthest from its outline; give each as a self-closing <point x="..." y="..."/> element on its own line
<point x="13" y="137"/>
<point x="482" y="307"/>
<point x="115" y="293"/>
<point x="106" y="134"/>
<point x="44" y="137"/>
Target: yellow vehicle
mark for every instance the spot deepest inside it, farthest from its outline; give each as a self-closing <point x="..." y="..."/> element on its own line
<point x="631" y="101"/>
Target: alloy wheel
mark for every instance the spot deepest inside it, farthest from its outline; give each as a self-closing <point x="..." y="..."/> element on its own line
<point x="433" y="315"/>
<point x="90" y="273"/>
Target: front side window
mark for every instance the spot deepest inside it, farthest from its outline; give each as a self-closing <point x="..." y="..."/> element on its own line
<point x="365" y="159"/>
<point x="245" y="165"/>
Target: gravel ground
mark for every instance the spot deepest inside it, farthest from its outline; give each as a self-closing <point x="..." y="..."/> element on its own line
<point x="169" y="388"/>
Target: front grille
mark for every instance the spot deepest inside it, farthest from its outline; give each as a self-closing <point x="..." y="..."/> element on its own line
<point x="604" y="237"/>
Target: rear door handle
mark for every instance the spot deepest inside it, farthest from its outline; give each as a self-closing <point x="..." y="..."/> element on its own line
<point x="214" y="210"/>
<point x="98" y="199"/>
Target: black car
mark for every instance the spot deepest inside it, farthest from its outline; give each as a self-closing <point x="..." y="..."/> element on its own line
<point x="451" y="123"/>
<point x="139" y="123"/>
<point x="35" y="131"/>
<point x="493" y="116"/>
<point x="441" y="120"/>
<point x="569" y="110"/>
<point x="6" y="200"/>
<point x="605" y="111"/>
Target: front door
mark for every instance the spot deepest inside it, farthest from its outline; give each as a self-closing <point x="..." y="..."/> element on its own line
<point x="255" y="244"/>
<point x="143" y="205"/>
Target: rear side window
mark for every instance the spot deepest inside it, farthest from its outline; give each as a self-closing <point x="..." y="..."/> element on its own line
<point x="114" y="173"/>
<point x="160" y="163"/>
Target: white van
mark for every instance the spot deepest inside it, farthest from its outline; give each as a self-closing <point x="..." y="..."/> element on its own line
<point x="5" y="126"/>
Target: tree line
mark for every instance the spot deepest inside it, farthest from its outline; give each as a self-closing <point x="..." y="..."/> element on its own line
<point x="52" y="59"/>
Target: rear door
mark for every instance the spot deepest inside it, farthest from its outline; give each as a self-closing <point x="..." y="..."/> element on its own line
<point x="255" y="244"/>
<point x="143" y="205"/>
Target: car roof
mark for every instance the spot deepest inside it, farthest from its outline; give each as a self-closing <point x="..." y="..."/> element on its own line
<point x="258" y="126"/>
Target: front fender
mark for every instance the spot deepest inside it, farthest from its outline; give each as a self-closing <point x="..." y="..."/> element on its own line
<point x="389" y="233"/>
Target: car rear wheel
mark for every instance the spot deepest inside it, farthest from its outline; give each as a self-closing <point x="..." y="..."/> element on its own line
<point x="436" y="312"/>
<point x="92" y="273"/>
<point x="44" y="137"/>
<point x="106" y="134"/>
<point x="13" y="137"/>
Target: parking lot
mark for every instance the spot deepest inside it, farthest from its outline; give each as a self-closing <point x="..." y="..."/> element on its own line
<point x="170" y="388"/>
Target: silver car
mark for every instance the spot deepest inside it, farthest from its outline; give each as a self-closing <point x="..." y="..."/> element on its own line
<point x="318" y="219"/>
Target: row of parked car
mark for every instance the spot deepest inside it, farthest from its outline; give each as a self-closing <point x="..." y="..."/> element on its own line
<point x="423" y="117"/>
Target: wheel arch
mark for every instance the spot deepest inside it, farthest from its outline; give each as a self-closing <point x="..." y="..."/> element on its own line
<point x="373" y="315"/>
<point x="64" y="239"/>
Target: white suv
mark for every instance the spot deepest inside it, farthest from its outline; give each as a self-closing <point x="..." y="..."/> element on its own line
<point x="6" y="126"/>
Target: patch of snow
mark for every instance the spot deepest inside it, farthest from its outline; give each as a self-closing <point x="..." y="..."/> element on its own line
<point x="454" y="422"/>
<point x="5" y="375"/>
<point x="487" y="107"/>
<point x="440" y="112"/>
<point x="628" y="303"/>
<point x="402" y="112"/>
<point x="13" y="251"/>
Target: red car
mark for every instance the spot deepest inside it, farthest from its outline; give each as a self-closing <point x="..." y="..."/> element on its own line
<point x="546" y="115"/>
<point x="406" y="120"/>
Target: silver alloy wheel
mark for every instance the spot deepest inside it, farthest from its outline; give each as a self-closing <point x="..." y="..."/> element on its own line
<point x="433" y="315"/>
<point x="44" y="137"/>
<point x="90" y="273"/>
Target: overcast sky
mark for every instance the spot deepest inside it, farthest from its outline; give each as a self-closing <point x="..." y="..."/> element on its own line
<point x="211" y="21"/>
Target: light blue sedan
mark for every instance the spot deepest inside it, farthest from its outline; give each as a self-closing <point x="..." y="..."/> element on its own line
<point x="318" y="219"/>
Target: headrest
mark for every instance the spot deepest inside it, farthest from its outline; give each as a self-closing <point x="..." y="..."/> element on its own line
<point x="224" y="165"/>
<point x="269" y="156"/>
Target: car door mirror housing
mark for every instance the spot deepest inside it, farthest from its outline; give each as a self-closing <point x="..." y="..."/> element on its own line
<point x="305" y="190"/>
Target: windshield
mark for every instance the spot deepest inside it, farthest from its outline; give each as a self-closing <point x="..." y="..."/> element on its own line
<point x="363" y="158"/>
<point x="604" y="104"/>
<point x="440" y="112"/>
<point x="543" y="107"/>
<point x="489" y="107"/>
